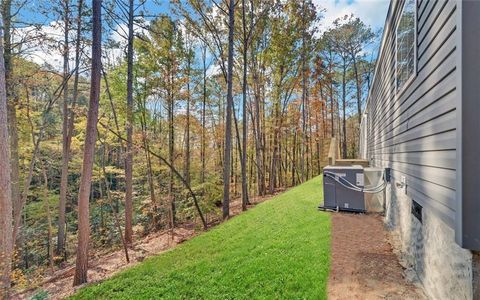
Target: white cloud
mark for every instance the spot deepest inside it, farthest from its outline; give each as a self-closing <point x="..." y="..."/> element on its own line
<point x="42" y="45"/>
<point x="371" y="12"/>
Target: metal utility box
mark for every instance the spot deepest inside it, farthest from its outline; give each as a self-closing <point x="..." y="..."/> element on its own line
<point x="335" y="193"/>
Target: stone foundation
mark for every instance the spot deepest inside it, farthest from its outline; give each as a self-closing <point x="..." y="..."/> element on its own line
<point x="444" y="269"/>
<point x="476" y="275"/>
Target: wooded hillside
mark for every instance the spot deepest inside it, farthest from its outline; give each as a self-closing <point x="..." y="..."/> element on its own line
<point x="155" y="116"/>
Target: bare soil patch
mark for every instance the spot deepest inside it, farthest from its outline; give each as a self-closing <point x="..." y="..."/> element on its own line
<point x="363" y="265"/>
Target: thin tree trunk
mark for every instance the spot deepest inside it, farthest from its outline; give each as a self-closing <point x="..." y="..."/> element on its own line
<point x="66" y="131"/>
<point x="332" y="101"/>
<point x="204" y="102"/>
<point x="332" y="112"/>
<point x="62" y="205"/>
<point x="276" y="134"/>
<point x="186" y="170"/>
<point x="150" y="178"/>
<point x="49" y="218"/>
<point x="244" y="111"/>
<point x="228" y="115"/>
<point x="359" y="90"/>
<point x="6" y="230"/>
<point x="304" y="144"/>
<point x="294" y="161"/>
<point x="17" y="218"/>
<point x="359" y="95"/>
<point x="146" y="146"/>
<point x="171" y="150"/>
<point x="11" y="109"/>
<point x="239" y="149"/>
<point x="257" y="130"/>
<point x="233" y="173"/>
<point x="344" y="109"/>
<point x="279" y="163"/>
<point x="81" y="265"/>
<point x="117" y="127"/>
<point x="115" y="213"/>
<point x="129" y="154"/>
<point x="310" y="140"/>
<point x="317" y="131"/>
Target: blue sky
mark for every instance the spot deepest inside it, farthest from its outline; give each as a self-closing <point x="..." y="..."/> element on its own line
<point x="31" y="12"/>
<point x="372" y="12"/>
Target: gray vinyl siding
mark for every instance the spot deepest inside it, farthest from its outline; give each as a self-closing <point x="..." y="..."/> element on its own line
<point x="414" y="131"/>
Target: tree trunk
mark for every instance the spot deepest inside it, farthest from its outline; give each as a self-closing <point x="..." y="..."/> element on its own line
<point x="11" y="109"/>
<point x="150" y="178"/>
<point x="259" y="125"/>
<point x="228" y="114"/>
<point x="304" y="144"/>
<point x="146" y="147"/>
<point x="294" y="158"/>
<point x="17" y="218"/>
<point x="49" y="219"/>
<point x="310" y="139"/>
<point x="276" y="136"/>
<point x="318" y="131"/>
<point x="344" y="109"/>
<point x="257" y="130"/>
<point x="171" y="149"/>
<point x="244" y="112"/>
<point x="61" y="237"/>
<point x="204" y="102"/>
<point x="359" y="95"/>
<point x="359" y="89"/>
<point x="66" y="131"/>
<point x="6" y="230"/>
<point x="332" y="112"/>
<point x="129" y="154"/>
<point x="81" y="266"/>
<point x="186" y="170"/>
<point x="115" y="212"/>
<point x="332" y="101"/>
<point x="14" y="158"/>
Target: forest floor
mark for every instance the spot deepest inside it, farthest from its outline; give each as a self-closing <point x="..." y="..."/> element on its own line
<point x="363" y="265"/>
<point x="105" y="265"/>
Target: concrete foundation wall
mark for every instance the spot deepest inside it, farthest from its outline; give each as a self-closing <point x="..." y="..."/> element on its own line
<point x="444" y="269"/>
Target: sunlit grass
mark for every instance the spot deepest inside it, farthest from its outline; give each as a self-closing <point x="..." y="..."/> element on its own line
<point x="279" y="249"/>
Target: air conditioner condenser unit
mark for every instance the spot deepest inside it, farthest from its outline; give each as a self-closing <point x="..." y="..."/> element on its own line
<point x="343" y="188"/>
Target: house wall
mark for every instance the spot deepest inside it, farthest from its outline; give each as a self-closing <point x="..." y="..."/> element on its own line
<point x="443" y="268"/>
<point x="414" y="132"/>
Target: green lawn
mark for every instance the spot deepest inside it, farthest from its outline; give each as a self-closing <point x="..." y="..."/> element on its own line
<point x="277" y="250"/>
